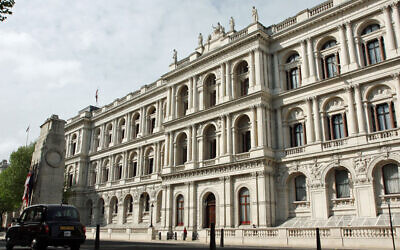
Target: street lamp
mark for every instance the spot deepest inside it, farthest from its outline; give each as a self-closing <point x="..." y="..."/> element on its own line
<point x="151" y="215"/>
<point x="391" y="226"/>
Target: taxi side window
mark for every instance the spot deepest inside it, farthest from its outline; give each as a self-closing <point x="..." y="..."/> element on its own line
<point x="30" y="212"/>
<point x="23" y="216"/>
<point x="39" y="211"/>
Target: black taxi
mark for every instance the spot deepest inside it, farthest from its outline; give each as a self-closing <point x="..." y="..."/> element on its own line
<point x="40" y="226"/>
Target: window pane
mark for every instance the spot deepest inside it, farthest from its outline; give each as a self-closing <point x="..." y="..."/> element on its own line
<point x="342" y="184"/>
<point x="391" y="179"/>
<point x="301" y="191"/>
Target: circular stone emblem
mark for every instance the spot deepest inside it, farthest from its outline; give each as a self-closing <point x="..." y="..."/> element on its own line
<point x="53" y="158"/>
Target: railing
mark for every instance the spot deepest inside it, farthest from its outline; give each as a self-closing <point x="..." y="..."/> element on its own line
<point x="334" y="143"/>
<point x="392" y="198"/>
<point x="321" y="8"/>
<point x="145" y="177"/>
<point x="301" y="204"/>
<point x="343" y="202"/>
<point x="308" y="232"/>
<point x="179" y="168"/>
<point x="383" y="134"/>
<point x="287" y="23"/>
<point x="242" y="156"/>
<point x="238" y="35"/>
<point x="296" y="150"/>
<point x="370" y="232"/>
<point x="209" y="162"/>
<point x="261" y="233"/>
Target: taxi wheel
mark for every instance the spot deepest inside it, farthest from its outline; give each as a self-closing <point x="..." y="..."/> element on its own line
<point x="36" y="245"/>
<point x="9" y="246"/>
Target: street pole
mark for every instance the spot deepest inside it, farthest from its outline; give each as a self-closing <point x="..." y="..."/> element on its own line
<point x="391" y="226"/>
<point x="151" y="215"/>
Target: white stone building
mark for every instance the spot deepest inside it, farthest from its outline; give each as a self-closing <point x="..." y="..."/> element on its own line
<point x="291" y="125"/>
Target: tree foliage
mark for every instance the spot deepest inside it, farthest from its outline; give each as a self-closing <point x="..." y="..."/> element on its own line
<point x="5" y="8"/>
<point x="12" y="179"/>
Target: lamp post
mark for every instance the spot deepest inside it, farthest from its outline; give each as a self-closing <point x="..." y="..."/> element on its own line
<point x="391" y="226"/>
<point x="151" y="215"/>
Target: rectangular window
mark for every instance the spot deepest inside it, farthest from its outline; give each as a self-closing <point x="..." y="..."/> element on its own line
<point x="184" y="154"/>
<point x="391" y="179"/>
<point x="151" y="160"/>
<point x="213" y="98"/>
<point x="134" y="169"/>
<point x="342" y="184"/>
<point x="301" y="191"/>
<point x="213" y="148"/>
<point x="338" y="126"/>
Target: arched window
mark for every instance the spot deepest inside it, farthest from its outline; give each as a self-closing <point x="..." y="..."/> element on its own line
<point x="135" y="125"/>
<point x="149" y="162"/>
<point x="183" y="101"/>
<point x="342" y="183"/>
<point x="129" y="204"/>
<point x="301" y="190"/>
<point x="109" y="134"/>
<point x="132" y="166"/>
<point x="383" y="116"/>
<point x="244" y="206"/>
<point x="151" y="120"/>
<point x="118" y="169"/>
<point x="297" y="132"/>
<point x="210" y="93"/>
<point x="179" y="210"/>
<point x="181" y="149"/>
<point x="96" y="139"/>
<point x="210" y="143"/>
<point x="337" y="126"/>
<point x="70" y="176"/>
<point x="74" y="143"/>
<point x="101" y="207"/>
<point x="373" y="46"/>
<point x="242" y="79"/>
<point x="114" y="205"/>
<point x="391" y="178"/>
<point x="121" y="130"/>
<point x="146" y="202"/>
<point x="330" y="62"/>
<point x="105" y="172"/>
<point x="93" y="174"/>
<point x="243" y="134"/>
<point x="293" y="72"/>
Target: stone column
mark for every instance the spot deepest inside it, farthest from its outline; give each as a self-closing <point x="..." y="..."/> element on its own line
<point x="344" y="59"/>
<point x="311" y="62"/>
<point x="228" y="80"/>
<point x="195" y="95"/>
<point x="269" y="131"/>
<point x="266" y="71"/>
<point x="270" y="72"/>
<point x="319" y="202"/>
<point x="396" y="17"/>
<point x="319" y="67"/>
<point x="304" y="65"/>
<point x="171" y="149"/>
<point x="277" y="86"/>
<point x="309" y="125"/>
<point x="173" y="102"/>
<point x="168" y="207"/>
<point x="263" y="199"/>
<point x="125" y="166"/>
<point x="169" y="101"/>
<point x="194" y="143"/>
<point x="190" y="94"/>
<point x="351" y="119"/>
<point x="229" y="134"/>
<point x="396" y="78"/>
<point x="389" y="28"/>
<point x="229" y="214"/>
<point x="128" y="127"/>
<point x="279" y="126"/>
<point x="192" y="206"/>
<point x="360" y="113"/>
<point x="252" y="69"/>
<point x="142" y="121"/>
<point x="262" y="140"/>
<point x="350" y="43"/>
<point x="253" y="131"/>
<point x="201" y="148"/>
<point x="223" y="82"/>
<point x="166" y="150"/>
<point x="140" y="162"/>
<point x="114" y="137"/>
<point x="258" y="68"/>
<point x="317" y="122"/>
<point x="223" y="135"/>
<point x="190" y="145"/>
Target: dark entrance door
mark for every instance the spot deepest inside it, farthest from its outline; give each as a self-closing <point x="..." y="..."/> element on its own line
<point x="210" y="210"/>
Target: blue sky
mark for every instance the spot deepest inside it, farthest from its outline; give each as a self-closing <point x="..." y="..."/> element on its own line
<point x="54" y="54"/>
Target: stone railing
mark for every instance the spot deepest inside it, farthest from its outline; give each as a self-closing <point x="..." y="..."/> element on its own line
<point x="321" y="8"/>
<point x="334" y="143"/>
<point x="307" y="232"/>
<point x="145" y="177"/>
<point x="261" y="233"/>
<point x="296" y="150"/>
<point x="392" y="198"/>
<point x="285" y="24"/>
<point x="209" y="162"/>
<point x="383" y="134"/>
<point x="301" y="204"/>
<point x="179" y="168"/>
<point x="370" y="232"/>
<point x="238" y="35"/>
<point x="242" y="156"/>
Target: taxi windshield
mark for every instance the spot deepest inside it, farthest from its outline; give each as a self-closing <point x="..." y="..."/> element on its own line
<point x="63" y="214"/>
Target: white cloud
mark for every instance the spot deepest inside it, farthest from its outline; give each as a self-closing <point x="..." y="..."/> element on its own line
<point x="55" y="54"/>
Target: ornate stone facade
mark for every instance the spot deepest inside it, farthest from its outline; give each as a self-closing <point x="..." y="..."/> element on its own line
<point x="255" y="128"/>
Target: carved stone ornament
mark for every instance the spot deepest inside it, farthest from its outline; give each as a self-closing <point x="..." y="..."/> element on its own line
<point x="315" y="171"/>
<point x="53" y="158"/>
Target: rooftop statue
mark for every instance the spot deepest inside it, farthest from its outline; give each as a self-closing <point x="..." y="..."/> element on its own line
<point x="175" y="56"/>
<point x="219" y="29"/>
<point x="232" y="24"/>
<point x="255" y="15"/>
<point x="200" y="40"/>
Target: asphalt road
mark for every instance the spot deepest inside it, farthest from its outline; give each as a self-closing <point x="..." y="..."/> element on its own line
<point x="122" y="245"/>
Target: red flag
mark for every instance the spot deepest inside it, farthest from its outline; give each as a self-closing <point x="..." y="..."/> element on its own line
<point x="25" y="197"/>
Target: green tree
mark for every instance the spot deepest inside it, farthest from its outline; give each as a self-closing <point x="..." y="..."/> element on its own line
<point x="13" y="178"/>
<point x="5" y="8"/>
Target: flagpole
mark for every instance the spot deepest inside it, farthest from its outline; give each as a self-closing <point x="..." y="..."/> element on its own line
<point x="27" y="135"/>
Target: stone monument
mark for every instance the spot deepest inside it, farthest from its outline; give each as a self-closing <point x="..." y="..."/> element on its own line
<point x="47" y="163"/>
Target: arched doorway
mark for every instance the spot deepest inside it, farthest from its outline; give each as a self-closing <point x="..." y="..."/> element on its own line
<point x="210" y="210"/>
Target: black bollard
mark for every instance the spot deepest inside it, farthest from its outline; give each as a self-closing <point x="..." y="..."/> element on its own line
<point x="212" y="237"/>
<point x="176" y="236"/>
<point x="97" y="240"/>
<point x="159" y="235"/>
<point x="222" y="238"/>
<point x="318" y="239"/>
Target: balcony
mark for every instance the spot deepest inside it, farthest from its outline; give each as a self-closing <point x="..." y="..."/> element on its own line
<point x="334" y="143"/>
<point x="383" y="135"/>
<point x="295" y="150"/>
<point x="242" y="156"/>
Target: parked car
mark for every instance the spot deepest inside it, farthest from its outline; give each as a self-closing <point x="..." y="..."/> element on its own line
<point x="40" y="226"/>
